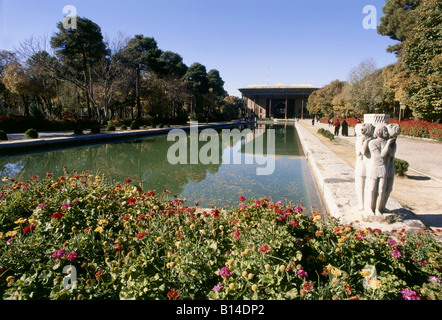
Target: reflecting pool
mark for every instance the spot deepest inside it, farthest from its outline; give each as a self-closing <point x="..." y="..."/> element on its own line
<point x="218" y="184"/>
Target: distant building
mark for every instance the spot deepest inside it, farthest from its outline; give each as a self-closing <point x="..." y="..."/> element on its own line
<point x="278" y="101"/>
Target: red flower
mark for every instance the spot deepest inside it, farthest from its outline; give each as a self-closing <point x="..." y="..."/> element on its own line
<point x="242" y="198"/>
<point x="118" y="246"/>
<point x="128" y="181"/>
<point x="294" y="223"/>
<point x="173" y="294"/>
<point x="99" y="274"/>
<point x="151" y="193"/>
<point x="141" y="235"/>
<point x="57" y="215"/>
<point x="28" y="229"/>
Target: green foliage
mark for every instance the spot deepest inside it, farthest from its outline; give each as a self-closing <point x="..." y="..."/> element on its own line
<point x="326" y="133"/>
<point x="110" y="127"/>
<point x="31" y="134"/>
<point x="123" y="127"/>
<point x="129" y="243"/>
<point x="400" y="167"/>
<point x="3" y="136"/>
<point x="398" y="20"/>
<point x="134" y="125"/>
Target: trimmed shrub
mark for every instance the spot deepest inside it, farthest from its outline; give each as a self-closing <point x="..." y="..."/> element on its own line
<point x="3" y="136"/>
<point x="31" y="134"/>
<point x="123" y="127"/>
<point x="95" y="129"/>
<point x="110" y="127"/>
<point x="134" y="125"/>
<point x="326" y="133"/>
<point x="400" y="167"/>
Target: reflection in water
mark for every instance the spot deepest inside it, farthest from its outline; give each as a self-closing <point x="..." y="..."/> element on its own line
<point x="219" y="184"/>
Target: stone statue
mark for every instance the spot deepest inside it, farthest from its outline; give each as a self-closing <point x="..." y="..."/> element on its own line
<point x="393" y="131"/>
<point x="363" y="135"/>
<point x="376" y="170"/>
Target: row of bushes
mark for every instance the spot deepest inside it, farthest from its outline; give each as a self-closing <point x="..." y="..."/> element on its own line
<point x="414" y="128"/>
<point x="81" y="236"/>
<point x="326" y="133"/>
<point x="18" y="124"/>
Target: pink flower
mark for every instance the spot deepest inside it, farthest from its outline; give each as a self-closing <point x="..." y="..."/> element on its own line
<point x="71" y="256"/>
<point x="217" y="288"/>
<point x="391" y="242"/>
<point x="65" y="206"/>
<point x="59" y="254"/>
<point x="434" y="278"/>
<point x="396" y="253"/>
<point x="41" y="207"/>
<point x="408" y="294"/>
<point x="265" y="248"/>
<point x="298" y="209"/>
<point x="236" y="234"/>
<point x="242" y="198"/>
<point x="225" y="272"/>
<point x="302" y="273"/>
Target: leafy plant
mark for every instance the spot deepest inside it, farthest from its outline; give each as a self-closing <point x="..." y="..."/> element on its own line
<point x="123" y="242"/>
<point x="400" y="167"/>
<point x="31" y="134"/>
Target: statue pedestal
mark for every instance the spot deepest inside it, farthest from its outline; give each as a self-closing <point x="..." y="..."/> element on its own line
<point x="376" y="118"/>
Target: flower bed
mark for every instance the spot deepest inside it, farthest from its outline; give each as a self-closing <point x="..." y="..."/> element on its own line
<point x="121" y="242"/>
<point x="420" y="129"/>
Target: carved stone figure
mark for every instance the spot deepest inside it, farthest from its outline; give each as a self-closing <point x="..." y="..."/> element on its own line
<point x="393" y="131"/>
<point x="363" y="136"/>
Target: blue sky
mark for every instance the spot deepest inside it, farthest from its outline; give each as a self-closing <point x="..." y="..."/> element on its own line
<point x="248" y="41"/>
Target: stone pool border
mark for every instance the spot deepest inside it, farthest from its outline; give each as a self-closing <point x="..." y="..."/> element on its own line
<point x="335" y="182"/>
<point x="18" y="146"/>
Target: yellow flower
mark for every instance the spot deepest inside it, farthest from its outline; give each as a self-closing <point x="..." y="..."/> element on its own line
<point x="366" y="273"/>
<point x="375" y="284"/>
<point x="158" y="239"/>
<point x="11" y="233"/>
<point x="267" y="267"/>
<point x="336" y="272"/>
<point x="33" y="222"/>
<point x="244" y="274"/>
<point x="232" y="286"/>
<point x="254" y="287"/>
<point x="99" y="229"/>
<point x="229" y="263"/>
<point x="282" y="268"/>
<point x="20" y="221"/>
<point x="74" y="229"/>
<point x="1" y="235"/>
<point x="103" y="222"/>
<point x="250" y="276"/>
<point x="156" y="207"/>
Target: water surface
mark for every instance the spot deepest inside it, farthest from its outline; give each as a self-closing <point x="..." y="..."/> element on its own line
<point x="219" y="184"/>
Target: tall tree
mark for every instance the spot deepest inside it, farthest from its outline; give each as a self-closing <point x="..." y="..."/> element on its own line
<point x="216" y="83"/>
<point x="398" y="20"/>
<point x="423" y="58"/>
<point x="141" y="54"/>
<point x="79" y="50"/>
<point x="197" y="81"/>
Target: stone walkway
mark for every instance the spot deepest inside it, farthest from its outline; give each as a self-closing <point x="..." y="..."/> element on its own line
<point x="419" y="192"/>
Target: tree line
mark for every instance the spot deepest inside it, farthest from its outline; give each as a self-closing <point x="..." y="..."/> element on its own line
<point x="413" y="84"/>
<point x="79" y="73"/>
